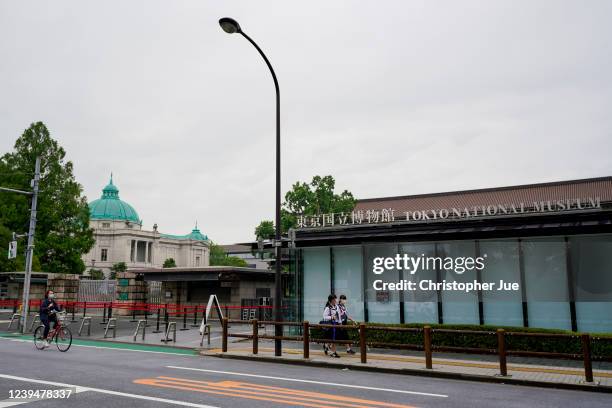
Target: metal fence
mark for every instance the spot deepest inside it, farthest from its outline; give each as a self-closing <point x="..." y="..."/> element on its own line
<point x="155" y="293"/>
<point x="97" y="291"/>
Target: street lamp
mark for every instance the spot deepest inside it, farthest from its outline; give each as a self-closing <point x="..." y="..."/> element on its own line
<point x="231" y="26"/>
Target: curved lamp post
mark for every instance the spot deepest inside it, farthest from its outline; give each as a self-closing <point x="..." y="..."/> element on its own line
<point x="231" y="26"/>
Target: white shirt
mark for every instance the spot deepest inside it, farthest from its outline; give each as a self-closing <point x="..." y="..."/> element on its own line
<point x="332" y="314"/>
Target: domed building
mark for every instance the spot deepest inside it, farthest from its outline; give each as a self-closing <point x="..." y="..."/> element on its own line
<point x="120" y="237"/>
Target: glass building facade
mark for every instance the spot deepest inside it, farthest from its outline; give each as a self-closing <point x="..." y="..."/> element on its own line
<point x="552" y="240"/>
<point x="565" y="282"/>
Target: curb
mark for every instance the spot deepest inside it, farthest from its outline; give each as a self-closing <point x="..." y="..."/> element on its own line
<point x="415" y="372"/>
<point x="196" y="350"/>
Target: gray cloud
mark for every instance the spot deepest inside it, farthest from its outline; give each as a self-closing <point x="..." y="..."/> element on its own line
<point x="390" y="97"/>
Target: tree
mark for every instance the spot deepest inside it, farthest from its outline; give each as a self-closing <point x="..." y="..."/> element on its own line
<point x="316" y="197"/>
<point x="265" y="230"/>
<point x="169" y="263"/>
<point x="96" y="274"/>
<point x="62" y="230"/>
<point x="218" y="257"/>
<point x="117" y="268"/>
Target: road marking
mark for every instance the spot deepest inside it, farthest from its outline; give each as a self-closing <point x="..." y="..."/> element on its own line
<point x="285" y="396"/>
<point x="111" y="348"/>
<point x="361" y="387"/>
<point x="439" y="362"/>
<point x="109" y="392"/>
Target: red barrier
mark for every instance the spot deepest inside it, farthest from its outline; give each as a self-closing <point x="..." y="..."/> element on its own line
<point x="175" y="309"/>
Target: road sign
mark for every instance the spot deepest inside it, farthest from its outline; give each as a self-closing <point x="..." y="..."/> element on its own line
<point x="12" y="252"/>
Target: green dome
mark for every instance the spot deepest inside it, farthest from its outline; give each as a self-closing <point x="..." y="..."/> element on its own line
<point x="196" y="235"/>
<point x="110" y="207"/>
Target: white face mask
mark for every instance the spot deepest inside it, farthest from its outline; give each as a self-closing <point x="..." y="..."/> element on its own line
<point x="51" y="295"/>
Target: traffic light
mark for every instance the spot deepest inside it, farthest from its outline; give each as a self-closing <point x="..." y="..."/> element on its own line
<point x="12" y="252"/>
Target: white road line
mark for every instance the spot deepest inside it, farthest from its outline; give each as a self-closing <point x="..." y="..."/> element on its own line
<point x="311" y="382"/>
<point x="109" y="392"/>
<point x="110" y="348"/>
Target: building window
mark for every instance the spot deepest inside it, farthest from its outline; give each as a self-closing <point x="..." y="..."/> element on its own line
<point x="197" y="262"/>
<point x="150" y="252"/>
<point x="104" y="255"/>
<point x="106" y="225"/>
<point x="132" y="250"/>
<point x="141" y="249"/>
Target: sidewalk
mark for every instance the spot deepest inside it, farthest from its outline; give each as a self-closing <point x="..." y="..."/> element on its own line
<point x="523" y="370"/>
<point x="530" y="371"/>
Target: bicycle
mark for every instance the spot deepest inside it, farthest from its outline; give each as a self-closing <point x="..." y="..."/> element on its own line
<point x="60" y="333"/>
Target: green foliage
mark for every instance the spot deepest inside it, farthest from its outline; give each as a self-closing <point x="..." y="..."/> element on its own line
<point x="169" y="263"/>
<point x="62" y="230"/>
<point x="96" y="274"/>
<point x="265" y="230"/>
<point x="218" y="257"/>
<point x="484" y="337"/>
<point x="316" y="197"/>
<point x="117" y="268"/>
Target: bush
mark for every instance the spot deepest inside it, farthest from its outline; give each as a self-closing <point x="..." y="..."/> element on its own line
<point x="601" y="343"/>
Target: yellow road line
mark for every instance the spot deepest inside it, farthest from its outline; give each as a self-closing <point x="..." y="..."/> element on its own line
<point x="265" y="393"/>
<point x="419" y="360"/>
<point x="288" y="391"/>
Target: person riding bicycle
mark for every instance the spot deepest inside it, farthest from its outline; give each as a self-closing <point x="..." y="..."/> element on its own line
<point x="48" y="309"/>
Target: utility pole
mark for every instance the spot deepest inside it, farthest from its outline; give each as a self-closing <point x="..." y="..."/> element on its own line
<point x="30" y="249"/>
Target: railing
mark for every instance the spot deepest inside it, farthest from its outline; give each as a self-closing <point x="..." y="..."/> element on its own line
<point x="428" y="346"/>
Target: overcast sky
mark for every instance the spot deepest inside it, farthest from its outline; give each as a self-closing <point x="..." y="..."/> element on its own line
<point x="389" y="97"/>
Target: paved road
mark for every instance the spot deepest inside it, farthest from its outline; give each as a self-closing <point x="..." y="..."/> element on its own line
<point x="106" y="377"/>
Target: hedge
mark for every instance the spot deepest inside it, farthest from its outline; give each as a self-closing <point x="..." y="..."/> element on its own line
<point x="601" y="343"/>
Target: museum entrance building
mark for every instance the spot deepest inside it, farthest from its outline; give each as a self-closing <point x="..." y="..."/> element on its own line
<point x="553" y="241"/>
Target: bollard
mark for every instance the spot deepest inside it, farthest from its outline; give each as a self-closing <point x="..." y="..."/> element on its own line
<point x="144" y="329"/>
<point x="362" y="343"/>
<point x="84" y="309"/>
<point x="73" y="308"/>
<point x="224" y="335"/>
<point x="157" y="325"/>
<point x="166" y="320"/>
<point x="103" y="314"/>
<point x="306" y="337"/>
<point x="255" y="336"/>
<point x="195" y="317"/>
<point x="146" y="319"/>
<point x="185" y="319"/>
<point x="501" y="350"/>
<point x="111" y="324"/>
<point x="133" y="314"/>
<point x="110" y="310"/>
<point x="586" y="352"/>
<point x="85" y="322"/>
<point x="15" y="306"/>
<point x="427" y="346"/>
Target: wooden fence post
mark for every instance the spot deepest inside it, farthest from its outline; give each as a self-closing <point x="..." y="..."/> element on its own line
<point x="427" y="346"/>
<point x="362" y="343"/>
<point x="255" y="337"/>
<point x="501" y="350"/>
<point x="586" y="352"/>
<point x="306" y="337"/>
<point x="224" y="335"/>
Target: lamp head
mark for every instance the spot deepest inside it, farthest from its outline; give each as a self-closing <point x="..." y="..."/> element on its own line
<point x="229" y="25"/>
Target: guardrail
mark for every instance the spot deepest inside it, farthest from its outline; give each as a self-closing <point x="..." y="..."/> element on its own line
<point x="428" y="345"/>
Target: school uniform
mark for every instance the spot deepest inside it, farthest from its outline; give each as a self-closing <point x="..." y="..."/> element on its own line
<point x="331" y="315"/>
